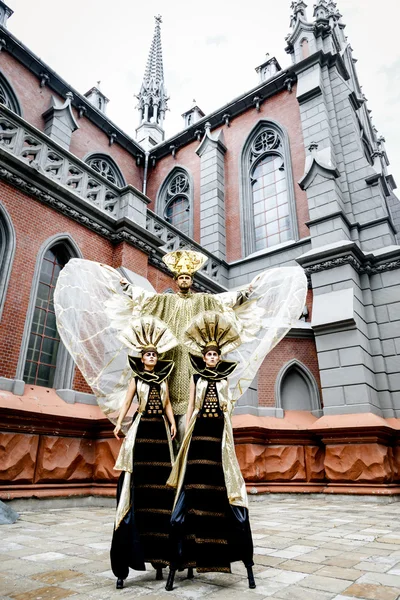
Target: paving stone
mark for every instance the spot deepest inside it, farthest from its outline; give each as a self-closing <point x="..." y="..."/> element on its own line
<point x="300" y="566"/>
<point x="328" y="584"/>
<point x="369" y="591"/>
<point x="340" y="573"/>
<point x="44" y="593"/>
<point x="52" y="577"/>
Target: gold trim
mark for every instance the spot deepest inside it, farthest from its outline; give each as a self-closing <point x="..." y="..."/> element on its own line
<point x="205" y="438"/>
<point x="205" y="513"/>
<point x="161" y="511"/>
<point x="203" y="486"/>
<point x="201" y="461"/>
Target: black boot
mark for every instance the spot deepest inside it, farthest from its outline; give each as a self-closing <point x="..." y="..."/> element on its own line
<point x="250" y="577"/>
<point x="170" y="581"/>
<point x="159" y="574"/>
<point x="120" y="583"/>
<point x="190" y="573"/>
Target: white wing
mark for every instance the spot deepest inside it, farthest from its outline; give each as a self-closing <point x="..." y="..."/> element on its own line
<point x="91" y="308"/>
<point x="275" y="304"/>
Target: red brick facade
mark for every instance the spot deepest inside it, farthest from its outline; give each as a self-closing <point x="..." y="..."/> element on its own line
<point x="44" y="222"/>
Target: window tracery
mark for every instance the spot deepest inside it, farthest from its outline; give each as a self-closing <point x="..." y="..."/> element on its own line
<point x="7" y="96"/>
<point x="106" y="168"/>
<point x="175" y="199"/>
<point x="268" y="214"/>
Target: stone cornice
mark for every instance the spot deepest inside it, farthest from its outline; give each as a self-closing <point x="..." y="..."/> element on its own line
<point x="350" y="254"/>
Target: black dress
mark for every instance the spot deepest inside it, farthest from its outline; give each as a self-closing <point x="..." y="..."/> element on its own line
<point x="206" y="531"/>
<point x="142" y="536"/>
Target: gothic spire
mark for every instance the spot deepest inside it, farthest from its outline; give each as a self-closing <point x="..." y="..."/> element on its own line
<point x="298" y="8"/>
<point x="153" y="95"/>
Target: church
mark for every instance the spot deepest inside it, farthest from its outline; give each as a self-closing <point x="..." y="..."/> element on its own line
<point x="292" y="171"/>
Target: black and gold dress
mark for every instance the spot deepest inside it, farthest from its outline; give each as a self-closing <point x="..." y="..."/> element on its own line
<point x="209" y="526"/>
<point x="144" y="502"/>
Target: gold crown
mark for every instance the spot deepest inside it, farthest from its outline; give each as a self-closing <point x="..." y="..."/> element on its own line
<point x="212" y="330"/>
<point x="184" y="262"/>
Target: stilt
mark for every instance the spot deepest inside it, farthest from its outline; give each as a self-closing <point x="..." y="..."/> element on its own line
<point x="120" y="583"/>
<point x="159" y="574"/>
<point x="250" y="577"/>
<point x="170" y="581"/>
<point x="190" y="574"/>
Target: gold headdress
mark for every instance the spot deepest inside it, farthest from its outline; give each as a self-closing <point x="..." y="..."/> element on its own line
<point x="148" y="334"/>
<point x="212" y="331"/>
<point x="184" y="262"/>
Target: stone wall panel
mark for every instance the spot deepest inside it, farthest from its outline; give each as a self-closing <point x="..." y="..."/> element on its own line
<point x="106" y="454"/>
<point x="62" y="459"/>
<point x="261" y="463"/>
<point x="361" y="463"/>
<point x="18" y="453"/>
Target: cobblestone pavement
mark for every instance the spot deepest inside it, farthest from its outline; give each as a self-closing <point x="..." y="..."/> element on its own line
<point x="305" y="549"/>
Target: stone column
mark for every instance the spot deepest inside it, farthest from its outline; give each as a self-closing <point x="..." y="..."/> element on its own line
<point x="212" y="193"/>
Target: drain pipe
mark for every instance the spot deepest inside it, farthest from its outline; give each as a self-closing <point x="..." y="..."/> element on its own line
<point x="146" y="168"/>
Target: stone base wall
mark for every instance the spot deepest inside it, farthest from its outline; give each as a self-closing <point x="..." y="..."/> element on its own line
<point x="53" y="454"/>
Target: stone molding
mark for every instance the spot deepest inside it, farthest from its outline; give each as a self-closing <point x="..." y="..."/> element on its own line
<point x="350" y="254"/>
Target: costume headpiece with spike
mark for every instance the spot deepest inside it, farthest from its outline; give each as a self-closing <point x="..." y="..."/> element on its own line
<point x="184" y="262"/>
<point x="148" y="334"/>
<point x="212" y="331"/>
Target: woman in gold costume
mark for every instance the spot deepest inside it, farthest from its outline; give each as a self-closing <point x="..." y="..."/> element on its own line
<point x="144" y="502"/>
<point x="210" y="526"/>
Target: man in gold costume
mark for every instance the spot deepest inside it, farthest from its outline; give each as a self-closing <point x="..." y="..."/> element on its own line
<point x="177" y="311"/>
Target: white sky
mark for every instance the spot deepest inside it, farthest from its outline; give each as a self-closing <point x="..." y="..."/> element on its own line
<point x="210" y="51"/>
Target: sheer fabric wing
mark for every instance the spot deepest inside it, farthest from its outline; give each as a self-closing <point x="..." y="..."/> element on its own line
<point x="275" y="304"/>
<point x="91" y="310"/>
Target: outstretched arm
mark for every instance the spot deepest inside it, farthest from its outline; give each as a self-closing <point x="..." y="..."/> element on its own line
<point x="190" y="409"/>
<point x="170" y="415"/>
<point x="131" y="391"/>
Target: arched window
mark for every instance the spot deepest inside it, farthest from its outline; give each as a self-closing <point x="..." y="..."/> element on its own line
<point x="268" y="206"/>
<point x="107" y="168"/>
<point x="43" y="359"/>
<point x="296" y="388"/>
<point x="7" y="96"/>
<point x="174" y="200"/>
<point x="7" y="250"/>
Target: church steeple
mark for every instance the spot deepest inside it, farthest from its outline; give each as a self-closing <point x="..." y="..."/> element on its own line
<point x="153" y="95"/>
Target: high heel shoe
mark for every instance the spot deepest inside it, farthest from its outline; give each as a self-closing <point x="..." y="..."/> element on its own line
<point x="250" y="577"/>
<point x="170" y="581"/>
<point x="120" y="583"/>
<point x="190" y="574"/>
<point x="159" y="574"/>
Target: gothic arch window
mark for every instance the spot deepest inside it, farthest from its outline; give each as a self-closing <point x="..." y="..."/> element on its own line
<point x="107" y="168"/>
<point x="296" y="388"/>
<point x="8" y="97"/>
<point x="175" y="201"/>
<point x="7" y="251"/>
<point x="268" y="205"/>
<point x="43" y="358"/>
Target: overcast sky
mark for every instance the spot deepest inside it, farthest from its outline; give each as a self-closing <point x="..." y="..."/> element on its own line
<point x="210" y="51"/>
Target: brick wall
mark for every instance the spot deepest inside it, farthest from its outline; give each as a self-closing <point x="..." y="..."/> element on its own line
<point x="302" y="350"/>
<point x="31" y="233"/>
<point x="34" y="100"/>
<point x="284" y="109"/>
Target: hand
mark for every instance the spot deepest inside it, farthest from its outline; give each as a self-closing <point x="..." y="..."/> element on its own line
<point x="117" y="430"/>
<point x="250" y="290"/>
<point x="173" y="431"/>
<point x="123" y="281"/>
